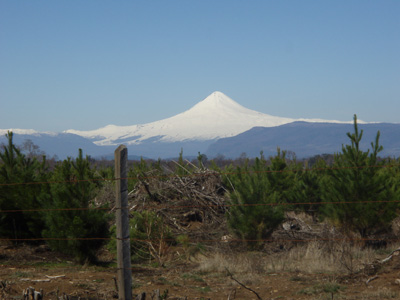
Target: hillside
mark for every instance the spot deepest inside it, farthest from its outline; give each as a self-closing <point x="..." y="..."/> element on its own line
<point x="305" y="139"/>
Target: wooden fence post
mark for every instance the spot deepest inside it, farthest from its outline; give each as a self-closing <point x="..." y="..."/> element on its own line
<point x="122" y="220"/>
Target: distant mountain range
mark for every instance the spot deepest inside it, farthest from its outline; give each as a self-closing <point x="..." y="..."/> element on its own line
<point x="215" y="125"/>
<point x="307" y="139"/>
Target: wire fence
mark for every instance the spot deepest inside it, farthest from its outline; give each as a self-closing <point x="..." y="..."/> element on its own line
<point x="226" y="205"/>
<point x="231" y="240"/>
<point x="165" y="206"/>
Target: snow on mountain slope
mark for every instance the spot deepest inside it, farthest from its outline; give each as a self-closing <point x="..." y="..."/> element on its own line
<point x="217" y="116"/>
<point x="26" y="131"/>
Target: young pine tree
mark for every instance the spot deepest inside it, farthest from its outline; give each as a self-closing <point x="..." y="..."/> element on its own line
<point x="19" y="195"/>
<point x="363" y="193"/>
<point x="255" y="194"/>
<point x="73" y="225"/>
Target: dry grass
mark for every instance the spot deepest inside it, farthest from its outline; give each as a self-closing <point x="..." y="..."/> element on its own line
<point x="315" y="257"/>
<point x="246" y="267"/>
<point x="320" y="257"/>
<point x="248" y="263"/>
<point x="383" y="293"/>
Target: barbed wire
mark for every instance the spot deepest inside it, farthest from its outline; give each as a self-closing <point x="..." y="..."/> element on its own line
<point x="220" y="240"/>
<point x="54" y="209"/>
<point x="167" y="206"/>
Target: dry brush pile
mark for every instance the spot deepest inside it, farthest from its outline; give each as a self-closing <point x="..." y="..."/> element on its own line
<point x="194" y="204"/>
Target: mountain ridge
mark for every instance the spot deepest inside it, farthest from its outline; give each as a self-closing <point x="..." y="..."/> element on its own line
<point x="306" y="139"/>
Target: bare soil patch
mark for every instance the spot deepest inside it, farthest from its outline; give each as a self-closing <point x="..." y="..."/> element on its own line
<point x="203" y="276"/>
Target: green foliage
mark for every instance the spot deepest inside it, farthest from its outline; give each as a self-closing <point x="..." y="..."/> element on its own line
<point x="142" y="171"/>
<point x="254" y="192"/>
<point x="70" y="230"/>
<point x="150" y="238"/>
<point x="182" y="167"/>
<point x="306" y="188"/>
<point x="330" y="287"/>
<point x="15" y="170"/>
<point x="357" y="177"/>
<point x="145" y="227"/>
<point x="189" y="249"/>
<point x="105" y="172"/>
<point x="201" y="161"/>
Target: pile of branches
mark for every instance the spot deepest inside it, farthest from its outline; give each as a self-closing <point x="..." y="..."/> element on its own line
<point x="189" y="204"/>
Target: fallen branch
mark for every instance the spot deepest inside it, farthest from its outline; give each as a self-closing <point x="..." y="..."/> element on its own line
<point x="390" y="256"/>
<point x="35" y="280"/>
<point x="232" y="294"/>
<point x="182" y="167"/>
<point x="54" y="277"/>
<point x="242" y="285"/>
<point x="370" y="279"/>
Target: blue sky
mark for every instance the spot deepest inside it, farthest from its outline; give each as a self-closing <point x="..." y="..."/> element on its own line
<point x="86" y="64"/>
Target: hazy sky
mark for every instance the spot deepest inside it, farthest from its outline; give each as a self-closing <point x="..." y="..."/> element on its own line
<point x="86" y="64"/>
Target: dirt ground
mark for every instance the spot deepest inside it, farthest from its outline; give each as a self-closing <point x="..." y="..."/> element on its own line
<point x="27" y="266"/>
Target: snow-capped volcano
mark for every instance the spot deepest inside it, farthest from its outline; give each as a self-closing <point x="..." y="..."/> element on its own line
<point x="217" y="116"/>
<point x="215" y="125"/>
